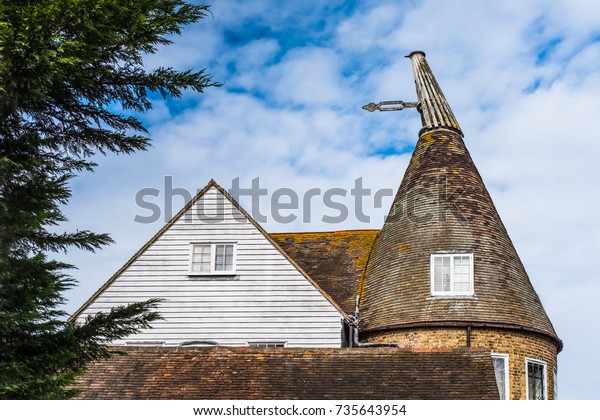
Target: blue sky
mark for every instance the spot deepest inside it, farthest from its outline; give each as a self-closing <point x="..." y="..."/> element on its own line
<point x="521" y="77"/>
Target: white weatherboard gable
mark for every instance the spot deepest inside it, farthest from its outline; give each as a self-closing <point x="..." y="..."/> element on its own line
<point x="267" y="300"/>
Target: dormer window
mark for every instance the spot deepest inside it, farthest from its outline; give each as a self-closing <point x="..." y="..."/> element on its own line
<point x="212" y="259"/>
<point x="452" y="274"/>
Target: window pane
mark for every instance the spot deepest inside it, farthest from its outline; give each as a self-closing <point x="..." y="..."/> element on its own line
<point x="219" y="257"/>
<point x="461" y="278"/>
<point x="500" y="371"/>
<point x="535" y="376"/>
<point x="441" y="274"/>
<point x="224" y="257"/>
<point x="201" y="258"/>
<point x="462" y="287"/>
<point x="437" y="274"/>
<point x="446" y="274"/>
<point x="229" y="250"/>
<point x="228" y="257"/>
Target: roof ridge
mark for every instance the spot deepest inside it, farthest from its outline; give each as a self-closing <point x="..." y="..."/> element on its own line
<point x="143" y="249"/>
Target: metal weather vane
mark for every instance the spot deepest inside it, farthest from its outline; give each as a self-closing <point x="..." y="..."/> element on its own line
<point x="387" y="106"/>
<point x="431" y="103"/>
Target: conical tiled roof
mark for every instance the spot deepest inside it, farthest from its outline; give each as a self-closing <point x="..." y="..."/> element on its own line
<point x="442" y="206"/>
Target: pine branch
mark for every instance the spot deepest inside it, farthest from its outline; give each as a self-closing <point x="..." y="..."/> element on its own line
<point x="64" y="65"/>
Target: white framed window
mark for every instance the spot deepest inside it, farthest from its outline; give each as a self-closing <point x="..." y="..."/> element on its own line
<point x="452" y="274"/>
<point x="500" y="362"/>
<point x="212" y="258"/>
<point x="537" y="381"/>
<point x="266" y="344"/>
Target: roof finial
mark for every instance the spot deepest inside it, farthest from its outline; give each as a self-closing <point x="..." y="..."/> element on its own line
<point x="434" y="109"/>
<point x="432" y="105"/>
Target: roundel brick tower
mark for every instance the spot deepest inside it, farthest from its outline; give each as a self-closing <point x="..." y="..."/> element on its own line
<point x="443" y="272"/>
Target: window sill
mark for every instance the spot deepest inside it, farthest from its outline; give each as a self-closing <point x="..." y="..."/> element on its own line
<point x="436" y="297"/>
<point x="215" y="274"/>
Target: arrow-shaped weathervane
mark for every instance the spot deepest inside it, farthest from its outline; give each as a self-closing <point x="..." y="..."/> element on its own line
<point x="385" y="106"/>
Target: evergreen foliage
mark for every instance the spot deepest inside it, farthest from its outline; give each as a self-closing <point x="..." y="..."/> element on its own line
<point x="72" y="79"/>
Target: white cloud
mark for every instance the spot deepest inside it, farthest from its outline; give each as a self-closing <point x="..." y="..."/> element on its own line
<point x="368" y="29"/>
<point x="307" y="76"/>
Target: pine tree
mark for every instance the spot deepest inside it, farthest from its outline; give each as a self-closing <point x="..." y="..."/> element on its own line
<point x="65" y="67"/>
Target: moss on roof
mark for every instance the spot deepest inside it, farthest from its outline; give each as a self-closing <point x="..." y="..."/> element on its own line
<point x="335" y="260"/>
<point x="290" y="373"/>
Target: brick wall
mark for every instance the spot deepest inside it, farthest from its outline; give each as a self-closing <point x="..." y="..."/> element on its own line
<point x="518" y="346"/>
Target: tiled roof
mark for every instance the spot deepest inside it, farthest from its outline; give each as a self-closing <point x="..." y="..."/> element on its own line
<point x="453" y="213"/>
<point x="334" y="260"/>
<point x="290" y="373"/>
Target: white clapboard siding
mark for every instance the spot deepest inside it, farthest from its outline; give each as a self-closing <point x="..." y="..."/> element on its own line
<point x="267" y="299"/>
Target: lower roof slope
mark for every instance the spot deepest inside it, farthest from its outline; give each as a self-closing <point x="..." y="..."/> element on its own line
<point x="290" y="373"/>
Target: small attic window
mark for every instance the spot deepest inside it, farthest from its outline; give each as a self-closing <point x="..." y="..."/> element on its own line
<point x="264" y="344"/>
<point x="452" y="274"/>
<point x="212" y="259"/>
